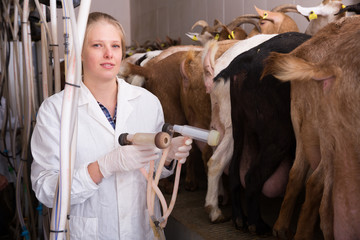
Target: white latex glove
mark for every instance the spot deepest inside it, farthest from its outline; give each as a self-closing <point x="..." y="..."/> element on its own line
<point x="179" y="149"/>
<point x="127" y="158"/>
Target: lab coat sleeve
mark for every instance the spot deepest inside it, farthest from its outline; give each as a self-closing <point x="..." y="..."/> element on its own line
<point x="45" y="148"/>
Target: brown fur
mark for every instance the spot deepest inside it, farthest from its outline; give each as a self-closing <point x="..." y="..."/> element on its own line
<point x="326" y="123"/>
<point x="162" y="78"/>
<point x="276" y="22"/>
<point x="195" y="100"/>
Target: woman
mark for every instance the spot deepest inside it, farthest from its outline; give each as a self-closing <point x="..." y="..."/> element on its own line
<point x="108" y="194"/>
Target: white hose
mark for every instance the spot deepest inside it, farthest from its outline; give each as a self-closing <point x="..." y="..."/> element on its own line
<point x="27" y="109"/>
<point x="6" y="13"/>
<point x="67" y="36"/>
<point x="55" y="47"/>
<point x="44" y="57"/>
<point x="68" y="135"/>
<point x="41" y="12"/>
<point x="153" y="189"/>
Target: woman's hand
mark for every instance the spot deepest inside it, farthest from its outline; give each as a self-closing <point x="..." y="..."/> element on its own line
<point x="179" y="149"/>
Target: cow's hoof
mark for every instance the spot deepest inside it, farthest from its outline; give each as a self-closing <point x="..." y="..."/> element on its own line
<point x="220" y="219"/>
<point x="283" y="234"/>
<point x="216" y="215"/>
<point x="208" y="209"/>
<point x="240" y="224"/>
<point x="260" y="229"/>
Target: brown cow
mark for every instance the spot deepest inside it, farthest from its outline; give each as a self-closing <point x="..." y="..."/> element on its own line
<point x="162" y="78"/>
<point x="194" y="99"/>
<point x="325" y="95"/>
<point x="321" y="15"/>
<point x="182" y="93"/>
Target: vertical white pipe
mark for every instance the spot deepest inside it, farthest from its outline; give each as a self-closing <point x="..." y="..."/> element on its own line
<point x="68" y="136"/>
<point x="44" y="58"/>
<point x="55" y="46"/>
<point x="27" y="107"/>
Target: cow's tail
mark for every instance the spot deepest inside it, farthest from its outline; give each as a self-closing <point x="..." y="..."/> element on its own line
<point x="128" y="69"/>
<point x="134" y="74"/>
<point x="210" y="49"/>
<point x="286" y="67"/>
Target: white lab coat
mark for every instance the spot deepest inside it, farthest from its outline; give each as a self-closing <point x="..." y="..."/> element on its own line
<point x="116" y="208"/>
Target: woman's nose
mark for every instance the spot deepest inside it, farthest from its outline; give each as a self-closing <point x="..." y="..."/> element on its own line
<point x="108" y="53"/>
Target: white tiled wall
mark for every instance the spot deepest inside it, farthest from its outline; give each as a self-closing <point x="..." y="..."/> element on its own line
<point x="151" y="19"/>
<point x="120" y="9"/>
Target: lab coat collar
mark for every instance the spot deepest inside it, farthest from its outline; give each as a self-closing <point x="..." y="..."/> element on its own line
<point x="126" y="93"/>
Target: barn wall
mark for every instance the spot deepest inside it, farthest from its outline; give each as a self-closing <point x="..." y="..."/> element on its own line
<point x="158" y="18"/>
<point x="150" y="19"/>
<point x="120" y="9"/>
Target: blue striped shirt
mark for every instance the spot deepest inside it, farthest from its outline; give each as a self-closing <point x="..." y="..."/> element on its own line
<point x="112" y="120"/>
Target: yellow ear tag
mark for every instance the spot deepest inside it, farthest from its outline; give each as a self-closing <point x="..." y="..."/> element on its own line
<point x="216" y="37"/>
<point x="195" y="38"/>
<point x="162" y="45"/>
<point x="130" y="53"/>
<point x="265" y="15"/>
<point x="232" y="34"/>
<point x="148" y="50"/>
<point x="343" y="6"/>
<point x="312" y="15"/>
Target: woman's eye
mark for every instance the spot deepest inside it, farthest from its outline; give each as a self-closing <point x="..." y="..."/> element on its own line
<point x="96" y="45"/>
<point x="116" y="46"/>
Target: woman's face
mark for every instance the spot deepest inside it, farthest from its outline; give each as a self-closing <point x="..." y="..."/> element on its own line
<point x="102" y="52"/>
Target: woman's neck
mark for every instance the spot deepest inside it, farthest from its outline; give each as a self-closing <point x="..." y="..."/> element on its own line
<point x="104" y="92"/>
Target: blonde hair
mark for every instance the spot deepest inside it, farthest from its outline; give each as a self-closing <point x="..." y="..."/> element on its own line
<point x="99" y="16"/>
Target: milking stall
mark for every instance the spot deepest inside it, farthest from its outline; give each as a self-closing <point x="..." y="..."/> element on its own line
<point x="218" y="119"/>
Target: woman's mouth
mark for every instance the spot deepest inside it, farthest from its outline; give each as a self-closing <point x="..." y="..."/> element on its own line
<point x="107" y="65"/>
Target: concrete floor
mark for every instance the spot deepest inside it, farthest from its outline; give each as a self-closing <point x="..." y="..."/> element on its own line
<point x="189" y="220"/>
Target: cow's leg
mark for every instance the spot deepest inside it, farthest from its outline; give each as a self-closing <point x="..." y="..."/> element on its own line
<point x="191" y="182"/>
<point x="220" y="159"/>
<point x="215" y="171"/>
<point x="326" y="207"/>
<point x="314" y="187"/>
<point x="310" y="209"/>
<point x="346" y="189"/>
<point x="206" y="154"/>
<point x="297" y="177"/>
<point x="255" y="221"/>
<point x="266" y="176"/>
<point x="238" y="215"/>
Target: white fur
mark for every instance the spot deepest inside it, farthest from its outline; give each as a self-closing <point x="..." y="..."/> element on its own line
<point x="220" y="96"/>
